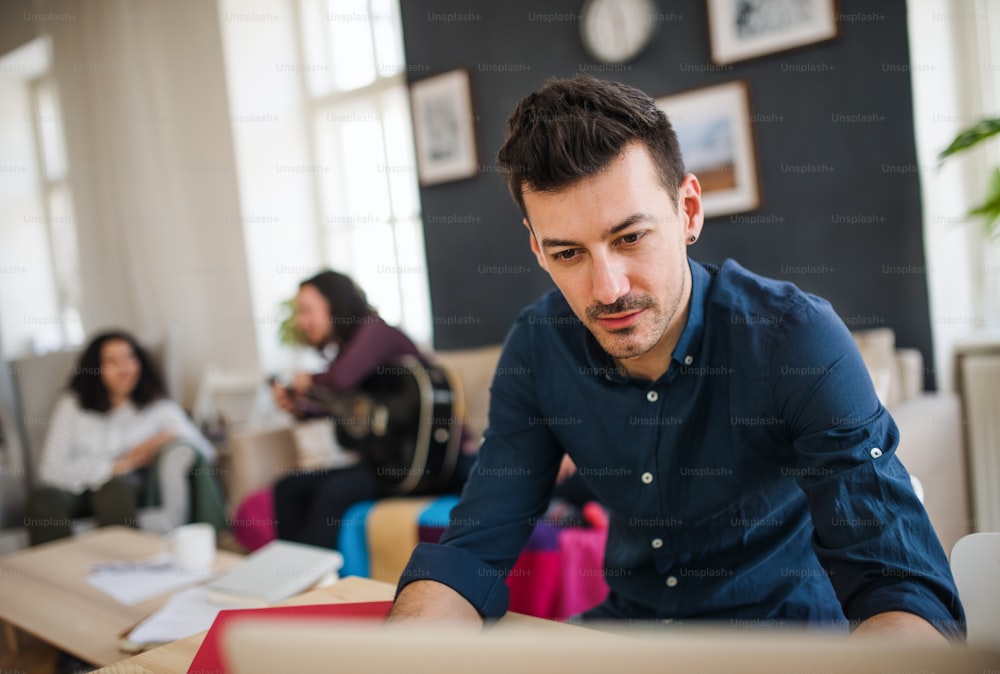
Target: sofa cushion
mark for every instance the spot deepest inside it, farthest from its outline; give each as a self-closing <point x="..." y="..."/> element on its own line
<point x="878" y="350"/>
<point x="475" y="369"/>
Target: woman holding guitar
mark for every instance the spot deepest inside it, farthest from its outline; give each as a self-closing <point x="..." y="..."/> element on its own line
<point x="332" y="311"/>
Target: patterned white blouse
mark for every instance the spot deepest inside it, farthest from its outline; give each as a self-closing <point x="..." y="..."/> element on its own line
<point x="82" y="445"/>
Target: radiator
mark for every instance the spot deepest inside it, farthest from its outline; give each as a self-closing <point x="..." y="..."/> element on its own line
<point x="981" y="391"/>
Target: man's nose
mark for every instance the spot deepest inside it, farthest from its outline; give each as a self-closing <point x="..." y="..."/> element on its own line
<point x="610" y="280"/>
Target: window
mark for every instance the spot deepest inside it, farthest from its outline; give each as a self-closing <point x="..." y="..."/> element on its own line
<point x="357" y="105"/>
<point x="57" y="204"/>
<point x="39" y="266"/>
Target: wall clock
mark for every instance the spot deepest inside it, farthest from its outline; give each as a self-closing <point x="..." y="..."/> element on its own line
<point x="616" y="31"/>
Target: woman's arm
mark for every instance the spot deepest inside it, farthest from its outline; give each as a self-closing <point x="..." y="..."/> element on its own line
<point x="142" y="454"/>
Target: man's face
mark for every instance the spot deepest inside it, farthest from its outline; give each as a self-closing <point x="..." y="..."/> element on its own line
<point x="312" y="314"/>
<point x="615" y="244"/>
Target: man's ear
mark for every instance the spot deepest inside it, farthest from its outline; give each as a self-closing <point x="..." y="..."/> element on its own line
<point x="534" y="246"/>
<point x="689" y="203"/>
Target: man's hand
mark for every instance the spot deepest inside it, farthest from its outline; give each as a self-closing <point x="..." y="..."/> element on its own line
<point x="141" y="455"/>
<point x="566" y="469"/>
<point x="898" y="624"/>
<point x="431" y="601"/>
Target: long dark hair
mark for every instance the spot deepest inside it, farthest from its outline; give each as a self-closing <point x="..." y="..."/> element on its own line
<point x="573" y="128"/>
<point x="89" y="388"/>
<point x="349" y="307"/>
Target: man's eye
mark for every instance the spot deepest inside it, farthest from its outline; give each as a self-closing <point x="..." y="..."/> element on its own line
<point x="565" y="255"/>
<point x="632" y="237"/>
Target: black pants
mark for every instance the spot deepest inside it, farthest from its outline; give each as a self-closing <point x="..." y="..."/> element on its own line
<point x="309" y="507"/>
<point x="51" y="511"/>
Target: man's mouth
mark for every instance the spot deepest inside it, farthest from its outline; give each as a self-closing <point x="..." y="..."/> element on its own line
<point x="620" y="321"/>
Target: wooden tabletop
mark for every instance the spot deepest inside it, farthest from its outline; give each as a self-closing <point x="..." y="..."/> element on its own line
<point x="177" y="657"/>
<point x="45" y="591"/>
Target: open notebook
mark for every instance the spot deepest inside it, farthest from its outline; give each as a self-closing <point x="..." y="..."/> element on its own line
<point x="262" y="647"/>
<point x="276" y="572"/>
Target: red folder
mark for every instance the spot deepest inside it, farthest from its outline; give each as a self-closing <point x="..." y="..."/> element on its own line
<point x="209" y="657"/>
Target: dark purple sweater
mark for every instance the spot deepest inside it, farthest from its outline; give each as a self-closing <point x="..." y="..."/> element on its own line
<point x="374" y="343"/>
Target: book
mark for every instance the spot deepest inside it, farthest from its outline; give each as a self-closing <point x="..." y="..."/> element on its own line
<point x="209" y="657"/>
<point x="277" y="571"/>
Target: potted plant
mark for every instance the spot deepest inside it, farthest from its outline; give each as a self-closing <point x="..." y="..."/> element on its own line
<point x="989" y="209"/>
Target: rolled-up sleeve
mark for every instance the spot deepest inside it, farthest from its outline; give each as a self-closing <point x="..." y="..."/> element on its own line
<point x="872" y="534"/>
<point x="508" y="488"/>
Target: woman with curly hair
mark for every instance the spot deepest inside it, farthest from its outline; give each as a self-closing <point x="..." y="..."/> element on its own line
<point x="114" y="422"/>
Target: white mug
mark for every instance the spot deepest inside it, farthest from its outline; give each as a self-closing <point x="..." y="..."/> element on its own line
<point x="192" y="547"/>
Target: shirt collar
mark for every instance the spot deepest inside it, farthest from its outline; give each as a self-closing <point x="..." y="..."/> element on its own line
<point x="688" y="345"/>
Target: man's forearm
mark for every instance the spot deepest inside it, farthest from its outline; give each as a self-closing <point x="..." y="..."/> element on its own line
<point x="429" y="600"/>
<point x="898" y="624"/>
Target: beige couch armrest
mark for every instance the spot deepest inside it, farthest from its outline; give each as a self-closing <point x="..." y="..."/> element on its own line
<point x="911" y="373"/>
<point x="257" y="459"/>
<point x="931" y="448"/>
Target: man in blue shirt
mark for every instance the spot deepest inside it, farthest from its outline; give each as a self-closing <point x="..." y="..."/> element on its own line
<point x="726" y="420"/>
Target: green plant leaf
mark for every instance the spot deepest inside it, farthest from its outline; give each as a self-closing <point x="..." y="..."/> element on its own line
<point x="288" y="329"/>
<point x="989" y="210"/>
<point x="982" y="130"/>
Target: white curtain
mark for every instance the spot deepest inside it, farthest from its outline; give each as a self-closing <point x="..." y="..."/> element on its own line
<point x="151" y="164"/>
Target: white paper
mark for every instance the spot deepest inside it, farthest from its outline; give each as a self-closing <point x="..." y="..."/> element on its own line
<point x="134" y="582"/>
<point x="188" y="612"/>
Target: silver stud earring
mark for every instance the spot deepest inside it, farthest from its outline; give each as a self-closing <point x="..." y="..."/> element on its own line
<point x="693" y="239"/>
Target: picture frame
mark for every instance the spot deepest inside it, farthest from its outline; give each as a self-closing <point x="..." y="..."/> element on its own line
<point x="741" y="30"/>
<point x="444" y="128"/>
<point x="717" y="142"/>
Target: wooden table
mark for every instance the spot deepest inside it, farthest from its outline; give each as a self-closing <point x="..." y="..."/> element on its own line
<point x="177" y="657"/>
<point x="44" y="591"/>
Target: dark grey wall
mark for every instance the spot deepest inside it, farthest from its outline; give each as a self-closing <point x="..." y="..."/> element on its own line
<point x="840" y="214"/>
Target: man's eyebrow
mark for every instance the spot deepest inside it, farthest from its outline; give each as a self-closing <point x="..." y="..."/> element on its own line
<point x="624" y="224"/>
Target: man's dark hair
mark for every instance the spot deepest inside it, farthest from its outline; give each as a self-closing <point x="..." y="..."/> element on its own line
<point x="87" y="384"/>
<point x="349" y="307"/>
<point x="574" y="128"/>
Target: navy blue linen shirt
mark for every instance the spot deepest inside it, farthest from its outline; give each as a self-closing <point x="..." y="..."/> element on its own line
<point x="754" y="483"/>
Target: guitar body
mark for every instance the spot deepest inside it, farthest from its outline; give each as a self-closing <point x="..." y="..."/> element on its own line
<point x="406" y="425"/>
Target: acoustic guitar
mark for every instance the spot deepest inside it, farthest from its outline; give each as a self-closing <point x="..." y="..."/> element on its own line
<point x="405" y="420"/>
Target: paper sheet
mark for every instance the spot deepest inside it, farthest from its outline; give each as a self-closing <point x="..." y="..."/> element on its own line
<point x="134" y="582"/>
<point x="188" y="612"/>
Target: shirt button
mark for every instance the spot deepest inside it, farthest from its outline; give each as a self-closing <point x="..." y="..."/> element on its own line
<point x="657" y="543"/>
<point x="688" y="360"/>
<point x="875" y="452"/>
<point x="671" y="581"/>
<point x="647" y="478"/>
<point x="652" y="396"/>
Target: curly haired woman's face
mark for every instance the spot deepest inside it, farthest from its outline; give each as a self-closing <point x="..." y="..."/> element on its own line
<point x="120" y="368"/>
<point x="312" y="313"/>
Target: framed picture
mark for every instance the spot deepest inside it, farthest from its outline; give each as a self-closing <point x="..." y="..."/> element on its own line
<point x="745" y="29"/>
<point x="443" y="128"/>
<point x="713" y="129"/>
